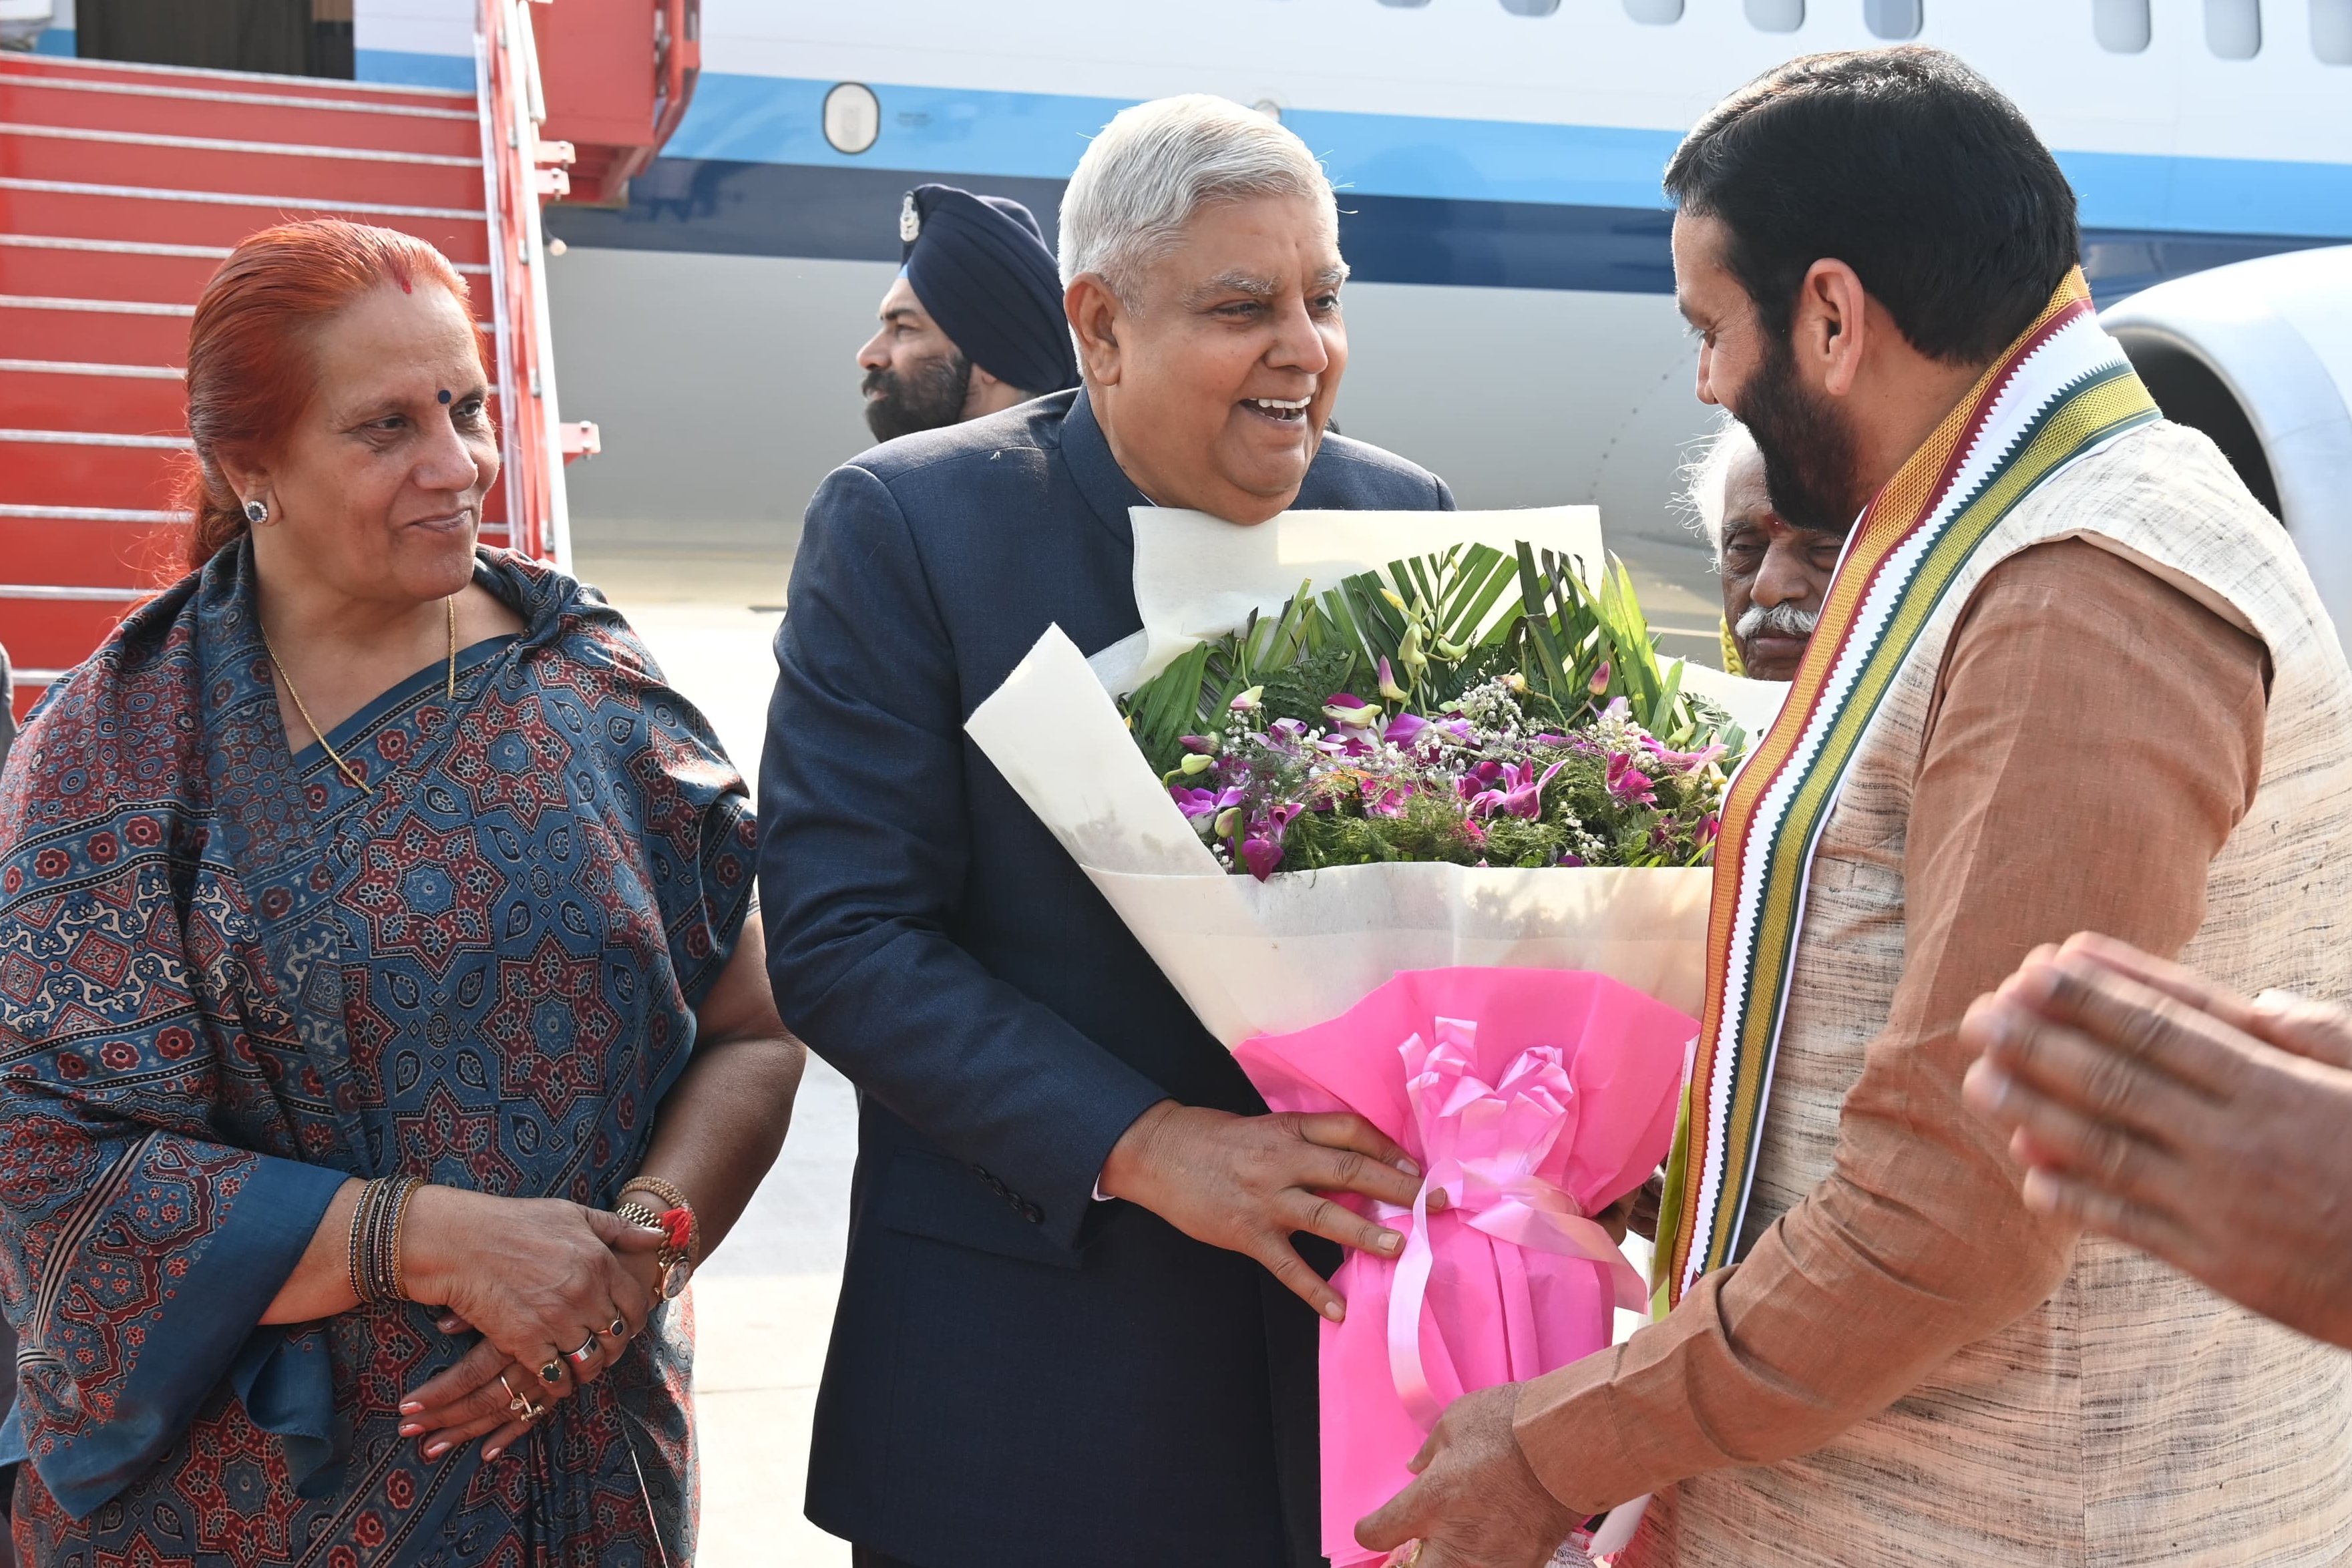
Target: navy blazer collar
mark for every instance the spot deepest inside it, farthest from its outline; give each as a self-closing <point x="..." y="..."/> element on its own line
<point x="1100" y="480"/>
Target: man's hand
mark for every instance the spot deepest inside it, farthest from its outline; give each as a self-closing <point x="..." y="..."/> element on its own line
<point x="1477" y="1504"/>
<point x="1247" y="1182"/>
<point x="2154" y="1106"/>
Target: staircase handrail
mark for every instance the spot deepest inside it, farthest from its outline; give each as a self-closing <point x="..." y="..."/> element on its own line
<point x="506" y="60"/>
<point x="680" y="65"/>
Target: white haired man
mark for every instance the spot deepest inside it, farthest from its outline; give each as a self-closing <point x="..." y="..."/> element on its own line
<point x="1073" y="1327"/>
<point x="1774" y="572"/>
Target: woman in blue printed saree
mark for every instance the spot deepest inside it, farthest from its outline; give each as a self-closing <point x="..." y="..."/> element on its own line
<point x="357" y="857"/>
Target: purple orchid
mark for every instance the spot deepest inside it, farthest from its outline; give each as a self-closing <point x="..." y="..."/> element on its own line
<point x="1515" y="789"/>
<point x="1385" y="798"/>
<point x="1349" y="712"/>
<point x="1199" y="805"/>
<point x="1261" y="850"/>
<point x="1628" y="783"/>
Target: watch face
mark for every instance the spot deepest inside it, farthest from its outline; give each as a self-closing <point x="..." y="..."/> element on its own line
<point x="674" y="1278"/>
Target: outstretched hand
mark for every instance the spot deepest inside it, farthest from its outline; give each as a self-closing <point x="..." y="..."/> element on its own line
<point x="1476" y="1503"/>
<point x="2206" y="1128"/>
<point x="1248" y="1183"/>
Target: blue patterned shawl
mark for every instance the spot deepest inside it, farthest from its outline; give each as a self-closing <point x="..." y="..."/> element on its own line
<point x="228" y="981"/>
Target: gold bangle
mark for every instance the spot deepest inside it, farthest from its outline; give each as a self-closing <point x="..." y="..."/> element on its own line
<point x="351" y="1250"/>
<point x="674" y="1199"/>
<point x="399" y="1275"/>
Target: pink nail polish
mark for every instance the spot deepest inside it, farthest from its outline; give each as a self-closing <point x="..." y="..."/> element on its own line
<point x="411" y="1429"/>
<point x="435" y="1450"/>
<point x="490" y="1454"/>
<point x="411" y="1407"/>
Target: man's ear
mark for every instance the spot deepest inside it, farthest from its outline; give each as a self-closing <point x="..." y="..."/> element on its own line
<point x="1096" y="316"/>
<point x="1830" y="332"/>
<point x="982" y="377"/>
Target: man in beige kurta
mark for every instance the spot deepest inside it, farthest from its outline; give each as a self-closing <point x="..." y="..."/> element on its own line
<point x="2129" y="714"/>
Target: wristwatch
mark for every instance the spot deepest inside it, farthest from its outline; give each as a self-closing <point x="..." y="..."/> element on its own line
<point x="675" y="1258"/>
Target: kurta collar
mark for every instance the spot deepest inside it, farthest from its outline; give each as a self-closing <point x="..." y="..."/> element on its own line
<point x="1100" y="480"/>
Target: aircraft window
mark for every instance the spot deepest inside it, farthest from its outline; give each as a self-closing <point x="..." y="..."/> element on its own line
<point x="1892" y="18"/>
<point x="853" y="117"/>
<point x="2233" y="29"/>
<point x="2331" y="31"/>
<point x="1776" y="16"/>
<point x="2120" y="26"/>
<point x="1530" y="7"/>
<point x="1663" y="13"/>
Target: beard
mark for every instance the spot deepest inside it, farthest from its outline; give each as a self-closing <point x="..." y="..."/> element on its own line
<point x="931" y="395"/>
<point x="1807" y="450"/>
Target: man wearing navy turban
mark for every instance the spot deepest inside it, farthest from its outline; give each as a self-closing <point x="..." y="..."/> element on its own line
<point x="973" y="321"/>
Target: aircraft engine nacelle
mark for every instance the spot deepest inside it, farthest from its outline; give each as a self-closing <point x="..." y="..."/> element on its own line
<point x="2258" y="355"/>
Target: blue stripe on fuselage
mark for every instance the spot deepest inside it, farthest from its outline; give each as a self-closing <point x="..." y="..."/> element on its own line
<point x="850" y="213"/>
<point x="982" y="132"/>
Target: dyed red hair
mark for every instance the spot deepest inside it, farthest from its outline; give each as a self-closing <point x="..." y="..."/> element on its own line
<point x="251" y="374"/>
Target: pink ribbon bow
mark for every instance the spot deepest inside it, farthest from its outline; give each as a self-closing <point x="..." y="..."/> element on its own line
<point x="1483" y="1144"/>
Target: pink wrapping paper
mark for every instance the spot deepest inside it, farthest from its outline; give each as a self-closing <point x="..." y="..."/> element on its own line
<point x="1533" y="1097"/>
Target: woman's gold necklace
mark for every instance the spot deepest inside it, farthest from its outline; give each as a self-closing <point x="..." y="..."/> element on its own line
<point x="359" y="783"/>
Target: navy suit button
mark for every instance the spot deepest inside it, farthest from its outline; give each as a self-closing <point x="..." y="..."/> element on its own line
<point x="1032" y="1213"/>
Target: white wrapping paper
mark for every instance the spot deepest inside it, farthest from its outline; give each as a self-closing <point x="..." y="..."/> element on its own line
<point x="1252" y="957"/>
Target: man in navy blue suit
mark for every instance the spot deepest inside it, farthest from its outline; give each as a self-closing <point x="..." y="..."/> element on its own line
<point x="1076" y="1326"/>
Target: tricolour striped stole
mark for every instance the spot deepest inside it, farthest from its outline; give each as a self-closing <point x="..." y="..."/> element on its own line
<point x="2062" y="389"/>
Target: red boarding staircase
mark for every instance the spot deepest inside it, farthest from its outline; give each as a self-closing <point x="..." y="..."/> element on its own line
<point x="122" y="187"/>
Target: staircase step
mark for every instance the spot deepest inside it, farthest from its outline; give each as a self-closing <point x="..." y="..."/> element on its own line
<point x="105" y="332"/>
<point x="53" y="635"/>
<point x="176" y="109"/>
<point x="108" y="471"/>
<point x="144" y="270"/>
<point x="60" y="395"/>
<point x="83" y="561"/>
<point x="95" y="211"/>
<point x="140" y="271"/>
<point x="314" y="173"/>
<point x="252" y="84"/>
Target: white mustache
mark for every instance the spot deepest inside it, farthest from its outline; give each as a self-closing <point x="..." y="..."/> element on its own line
<point x="1784" y="618"/>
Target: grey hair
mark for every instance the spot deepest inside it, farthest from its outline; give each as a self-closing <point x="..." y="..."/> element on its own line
<point x="1157" y="163"/>
<point x="1706" y="477"/>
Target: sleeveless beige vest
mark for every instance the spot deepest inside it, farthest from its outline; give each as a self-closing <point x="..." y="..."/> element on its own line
<point x="2135" y="1417"/>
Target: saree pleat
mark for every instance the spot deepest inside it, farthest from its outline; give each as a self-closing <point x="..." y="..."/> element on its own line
<point x="230" y="981"/>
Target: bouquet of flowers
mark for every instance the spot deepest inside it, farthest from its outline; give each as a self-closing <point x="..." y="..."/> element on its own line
<point x="1423" y="837"/>
<point x="1517" y="745"/>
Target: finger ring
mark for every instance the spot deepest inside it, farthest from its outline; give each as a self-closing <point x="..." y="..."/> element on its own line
<point x="620" y="1327"/>
<point x="585" y="1354"/>
<point x="552" y="1372"/>
<point x="520" y="1403"/>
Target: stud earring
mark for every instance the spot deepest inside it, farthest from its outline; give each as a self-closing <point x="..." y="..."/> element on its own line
<point x="256" y="513"/>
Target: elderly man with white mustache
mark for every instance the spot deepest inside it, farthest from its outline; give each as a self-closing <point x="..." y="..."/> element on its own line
<point x="1774" y="572"/>
<point x="1074" y="1327"/>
